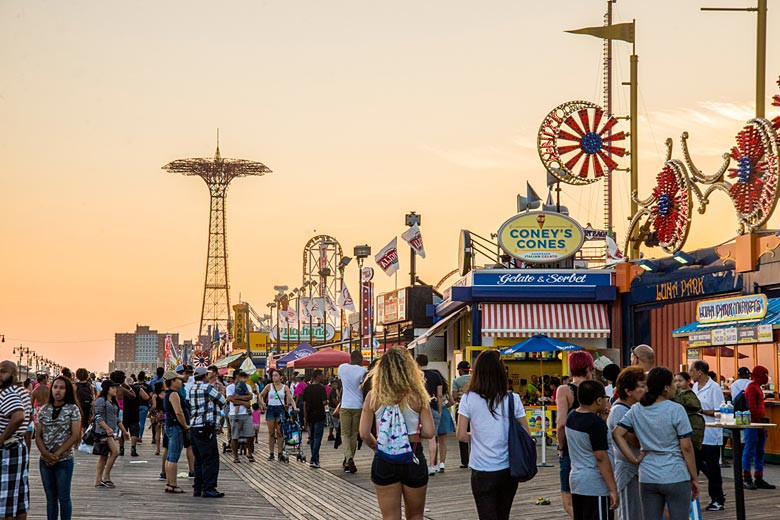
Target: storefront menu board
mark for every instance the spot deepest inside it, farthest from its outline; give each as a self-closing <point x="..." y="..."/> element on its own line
<point x="391" y="307"/>
<point x="731" y="336"/>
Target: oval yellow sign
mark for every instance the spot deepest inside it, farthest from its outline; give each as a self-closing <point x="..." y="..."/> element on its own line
<point x="541" y="237"/>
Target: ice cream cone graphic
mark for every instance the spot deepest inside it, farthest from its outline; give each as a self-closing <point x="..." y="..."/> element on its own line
<point x="540" y="221"/>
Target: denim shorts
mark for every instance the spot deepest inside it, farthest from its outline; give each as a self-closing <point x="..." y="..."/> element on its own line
<point x="275" y="412"/>
<point x="175" y="443"/>
<point x="384" y="473"/>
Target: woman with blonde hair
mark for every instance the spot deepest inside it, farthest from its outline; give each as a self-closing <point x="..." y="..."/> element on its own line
<point x="398" y="401"/>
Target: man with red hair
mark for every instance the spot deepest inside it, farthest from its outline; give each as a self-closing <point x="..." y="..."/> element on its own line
<point x="581" y="369"/>
<point x="755" y="438"/>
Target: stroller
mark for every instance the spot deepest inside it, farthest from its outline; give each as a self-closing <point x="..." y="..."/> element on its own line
<point x="293" y="438"/>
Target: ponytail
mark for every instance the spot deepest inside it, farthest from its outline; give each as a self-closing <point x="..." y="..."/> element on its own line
<point x="657" y="379"/>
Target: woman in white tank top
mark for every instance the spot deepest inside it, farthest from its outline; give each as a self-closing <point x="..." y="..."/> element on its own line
<point x="279" y="396"/>
<point x="396" y="380"/>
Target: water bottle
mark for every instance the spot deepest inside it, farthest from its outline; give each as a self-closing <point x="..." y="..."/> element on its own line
<point x="721" y="413"/>
<point x="730" y="413"/>
<point x="746" y="417"/>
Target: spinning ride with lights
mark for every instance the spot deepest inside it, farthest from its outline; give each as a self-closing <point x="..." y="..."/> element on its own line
<point x="576" y="143"/>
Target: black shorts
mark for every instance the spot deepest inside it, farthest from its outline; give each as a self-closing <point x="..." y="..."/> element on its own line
<point x="86" y="414"/>
<point x="591" y="508"/>
<point x="411" y="475"/>
<point x="187" y="442"/>
<point x="134" y="428"/>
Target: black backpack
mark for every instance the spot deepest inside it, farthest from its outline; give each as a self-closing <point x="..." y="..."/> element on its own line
<point x="84" y="393"/>
<point x="740" y="402"/>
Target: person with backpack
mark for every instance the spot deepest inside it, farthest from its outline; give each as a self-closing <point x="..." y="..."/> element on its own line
<point x="398" y="401"/>
<point x="85" y="396"/>
<point x="581" y="369"/>
<point x="485" y="409"/>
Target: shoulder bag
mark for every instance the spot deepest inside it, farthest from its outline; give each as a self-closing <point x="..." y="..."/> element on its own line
<point x="522" y="449"/>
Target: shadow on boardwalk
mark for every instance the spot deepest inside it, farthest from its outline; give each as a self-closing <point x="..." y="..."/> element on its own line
<point x="273" y="490"/>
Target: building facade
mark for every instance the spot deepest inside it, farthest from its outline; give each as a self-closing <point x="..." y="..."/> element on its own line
<point x="143" y="349"/>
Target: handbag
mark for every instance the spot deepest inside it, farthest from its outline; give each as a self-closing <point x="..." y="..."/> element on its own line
<point x="522" y="448"/>
<point x="89" y="436"/>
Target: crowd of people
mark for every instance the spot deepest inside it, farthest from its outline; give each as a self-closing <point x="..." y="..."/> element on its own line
<point x="632" y="448"/>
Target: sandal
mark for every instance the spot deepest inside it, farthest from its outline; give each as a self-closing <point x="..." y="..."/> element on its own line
<point x="108" y="484"/>
<point x="250" y="459"/>
<point x="176" y="490"/>
<point x="236" y="460"/>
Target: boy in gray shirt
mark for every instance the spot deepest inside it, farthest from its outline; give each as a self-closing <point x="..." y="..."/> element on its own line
<point x="593" y="488"/>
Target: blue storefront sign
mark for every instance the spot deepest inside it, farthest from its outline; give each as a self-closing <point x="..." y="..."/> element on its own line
<point x="676" y="286"/>
<point x="541" y="278"/>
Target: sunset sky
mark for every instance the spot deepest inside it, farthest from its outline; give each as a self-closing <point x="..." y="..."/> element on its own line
<point x="363" y="110"/>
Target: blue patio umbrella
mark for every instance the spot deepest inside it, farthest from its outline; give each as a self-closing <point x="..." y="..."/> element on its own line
<point x="541" y="343"/>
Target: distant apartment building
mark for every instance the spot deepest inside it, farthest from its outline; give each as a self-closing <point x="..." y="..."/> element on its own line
<point x="143" y="349"/>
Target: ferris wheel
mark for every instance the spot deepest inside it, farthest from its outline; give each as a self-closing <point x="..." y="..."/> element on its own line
<point x="323" y="273"/>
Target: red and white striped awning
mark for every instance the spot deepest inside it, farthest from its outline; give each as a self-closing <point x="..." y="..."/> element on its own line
<point x="561" y="320"/>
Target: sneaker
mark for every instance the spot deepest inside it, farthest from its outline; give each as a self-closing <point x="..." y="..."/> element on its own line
<point x="140" y="441"/>
<point x="121" y="451"/>
<point x="351" y="466"/>
<point x="314" y="465"/>
<point x="346" y="469"/>
<point x="763" y="484"/>
<point x="715" y="506"/>
<point x="441" y="468"/>
<point x="431" y="470"/>
<point x="212" y="494"/>
<point x="162" y="478"/>
<point x="270" y="457"/>
<point x="464" y="466"/>
<point x="747" y="483"/>
<point x="191" y="474"/>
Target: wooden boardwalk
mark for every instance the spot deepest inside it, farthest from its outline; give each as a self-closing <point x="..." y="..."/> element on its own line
<point x="272" y="490"/>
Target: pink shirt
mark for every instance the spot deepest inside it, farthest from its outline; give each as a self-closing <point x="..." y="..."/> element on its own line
<point x="299" y="388"/>
<point x="256" y="415"/>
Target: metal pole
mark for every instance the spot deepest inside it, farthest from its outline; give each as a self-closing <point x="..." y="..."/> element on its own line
<point x="412" y="268"/>
<point x="761" y="59"/>
<point x="633" y="251"/>
<point x="360" y="303"/>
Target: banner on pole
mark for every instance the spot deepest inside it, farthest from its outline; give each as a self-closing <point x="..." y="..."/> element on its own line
<point x="387" y="257"/>
<point x="345" y="300"/>
<point x="413" y="237"/>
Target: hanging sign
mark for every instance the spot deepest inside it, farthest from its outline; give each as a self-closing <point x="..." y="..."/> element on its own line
<point x="541" y="237"/>
<point x="751" y="307"/>
<point x="765" y="334"/>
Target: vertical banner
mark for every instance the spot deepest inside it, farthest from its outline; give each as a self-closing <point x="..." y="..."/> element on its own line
<point x="387" y="257"/>
<point x="345" y="300"/>
<point x="366" y="306"/>
<point x="413" y="237"/>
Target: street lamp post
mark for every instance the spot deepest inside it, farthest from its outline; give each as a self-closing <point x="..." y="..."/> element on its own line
<point x="361" y="253"/>
<point x="271" y="306"/>
<point x="345" y="260"/>
<point x="411" y="219"/>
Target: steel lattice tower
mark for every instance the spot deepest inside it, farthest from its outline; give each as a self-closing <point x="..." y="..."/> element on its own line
<point x="217" y="173"/>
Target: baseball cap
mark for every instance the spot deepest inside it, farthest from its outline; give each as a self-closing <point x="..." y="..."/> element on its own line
<point x="170" y="375"/>
<point x="201" y="371"/>
<point x="743" y="372"/>
<point x="464" y="365"/>
<point x="179" y="369"/>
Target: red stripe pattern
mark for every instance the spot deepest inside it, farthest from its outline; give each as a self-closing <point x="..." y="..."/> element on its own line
<point x="561" y="320"/>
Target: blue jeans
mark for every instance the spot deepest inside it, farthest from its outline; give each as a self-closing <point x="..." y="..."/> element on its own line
<point x="175" y="442"/>
<point x="56" y="484"/>
<point x="316" y="430"/>
<point x="143" y="411"/>
<point x="753" y="452"/>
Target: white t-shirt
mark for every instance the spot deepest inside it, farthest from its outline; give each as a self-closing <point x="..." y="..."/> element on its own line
<point x="351" y="376"/>
<point x="188" y="384"/>
<point x="242" y="410"/>
<point x="738" y="386"/>
<point x="489" y="433"/>
<point x="710" y="396"/>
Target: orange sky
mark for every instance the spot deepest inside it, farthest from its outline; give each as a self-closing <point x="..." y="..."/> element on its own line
<point x="364" y="111"/>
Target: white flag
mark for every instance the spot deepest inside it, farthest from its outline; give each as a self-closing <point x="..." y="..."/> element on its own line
<point x="292" y="316"/>
<point x="314" y="308"/>
<point x="333" y="311"/>
<point x="413" y="237"/>
<point x="345" y="300"/>
<point x="387" y="257"/>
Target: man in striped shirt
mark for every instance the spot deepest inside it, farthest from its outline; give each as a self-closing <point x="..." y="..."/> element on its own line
<point x="15" y="411"/>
